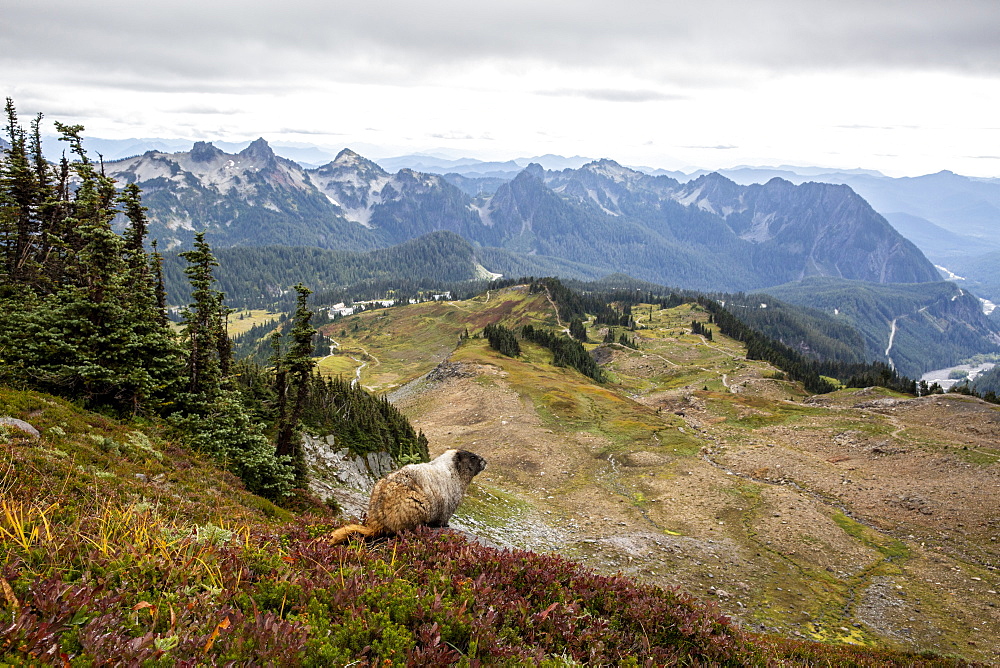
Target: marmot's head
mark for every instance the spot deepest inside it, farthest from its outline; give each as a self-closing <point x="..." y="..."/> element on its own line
<point x="467" y="464"/>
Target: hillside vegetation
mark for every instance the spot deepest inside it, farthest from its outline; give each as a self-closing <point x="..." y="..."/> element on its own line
<point x="85" y="318"/>
<point x="834" y="517"/>
<point x="122" y="547"/>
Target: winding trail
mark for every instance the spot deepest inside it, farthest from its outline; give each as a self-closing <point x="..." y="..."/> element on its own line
<point x="719" y="349"/>
<point x="555" y="308"/>
<point x="357" y="372"/>
<point x="361" y="363"/>
<point x="670" y="362"/>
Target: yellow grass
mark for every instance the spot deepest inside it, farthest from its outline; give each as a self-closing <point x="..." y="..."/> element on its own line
<point x="250" y="320"/>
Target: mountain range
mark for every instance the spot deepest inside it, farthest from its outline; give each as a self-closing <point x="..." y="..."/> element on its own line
<point x="709" y="233"/>
<point x="952" y="219"/>
<point x="946" y="215"/>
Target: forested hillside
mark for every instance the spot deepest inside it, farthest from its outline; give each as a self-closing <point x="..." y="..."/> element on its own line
<point x="988" y="383"/>
<point x="931" y="325"/>
<point x="981" y="273"/>
<point x="262" y="275"/>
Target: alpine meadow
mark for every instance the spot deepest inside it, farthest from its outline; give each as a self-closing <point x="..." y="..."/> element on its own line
<point x="692" y="419"/>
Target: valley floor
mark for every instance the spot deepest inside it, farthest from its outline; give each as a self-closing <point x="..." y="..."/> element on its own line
<point x="859" y="517"/>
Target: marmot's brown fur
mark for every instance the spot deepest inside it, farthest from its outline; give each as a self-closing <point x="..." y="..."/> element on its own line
<point x="416" y="495"/>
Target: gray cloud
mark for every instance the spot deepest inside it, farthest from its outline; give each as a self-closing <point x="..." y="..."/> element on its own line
<point x="611" y="95"/>
<point x="187" y="45"/>
<point x="304" y="131"/>
<point x="204" y="110"/>
<point x="876" y="127"/>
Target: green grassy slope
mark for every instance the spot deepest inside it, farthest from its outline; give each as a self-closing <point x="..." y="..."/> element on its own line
<point x="687" y="444"/>
<point x="121" y="547"/>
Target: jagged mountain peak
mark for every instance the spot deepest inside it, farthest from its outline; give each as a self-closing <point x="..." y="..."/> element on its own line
<point x="205" y="151"/>
<point x="348" y="156"/>
<point x="532" y="171"/>
<point x="710" y="233"/>
<point x="610" y="169"/>
<point x="716" y="179"/>
<point x="713" y="193"/>
<point x="349" y="160"/>
<point x="258" y="151"/>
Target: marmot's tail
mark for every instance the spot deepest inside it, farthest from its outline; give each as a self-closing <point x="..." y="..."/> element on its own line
<point x="342" y="534"/>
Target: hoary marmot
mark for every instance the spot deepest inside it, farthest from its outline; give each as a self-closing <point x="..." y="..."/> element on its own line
<point x="415" y="495"/>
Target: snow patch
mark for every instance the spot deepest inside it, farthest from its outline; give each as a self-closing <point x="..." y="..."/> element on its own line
<point x="484" y="212"/>
<point x="610" y="170"/>
<point x="988" y="306"/>
<point x="360" y="215"/>
<point x="688" y="199"/>
<point x="593" y="196"/>
<point x="483" y="272"/>
<point x="760" y="228"/>
<point x="949" y="274"/>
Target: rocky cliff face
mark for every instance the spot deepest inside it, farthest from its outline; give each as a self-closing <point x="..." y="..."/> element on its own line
<point x="829" y="228"/>
<point x="252" y="197"/>
<point x="765" y="234"/>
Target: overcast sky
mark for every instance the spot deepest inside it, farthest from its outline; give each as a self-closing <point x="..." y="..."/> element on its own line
<point x="904" y="86"/>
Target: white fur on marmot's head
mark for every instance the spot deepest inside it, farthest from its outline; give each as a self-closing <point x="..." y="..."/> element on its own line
<point x="467" y="464"/>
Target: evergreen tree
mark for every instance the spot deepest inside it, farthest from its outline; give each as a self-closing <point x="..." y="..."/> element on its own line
<point x="502" y="340"/>
<point x="214" y="418"/>
<point x="578" y="330"/>
<point x="160" y="291"/>
<point x="296" y="368"/>
<point x="628" y="342"/>
<point x="84" y="317"/>
<point x="77" y="321"/>
<point x="204" y="325"/>
<point x="565" y="351"/>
